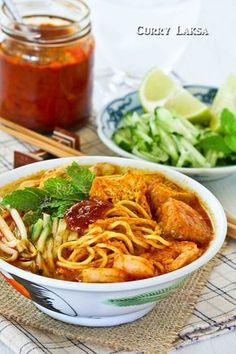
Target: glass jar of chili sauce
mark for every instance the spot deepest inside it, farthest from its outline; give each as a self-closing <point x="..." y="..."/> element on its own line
<point x="46" y="64"/>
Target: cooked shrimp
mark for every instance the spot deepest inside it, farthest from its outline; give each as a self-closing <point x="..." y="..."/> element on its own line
<point x="104" y="169"/>
<point x="103" y="275"/>
<point x="29" y="183"/>
<point x="136" y="267"/>
<point x="178" y="255"/>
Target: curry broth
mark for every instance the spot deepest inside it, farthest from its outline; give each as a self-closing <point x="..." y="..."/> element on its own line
<point x="197" y="204"/>
<point x="111" y="172"/>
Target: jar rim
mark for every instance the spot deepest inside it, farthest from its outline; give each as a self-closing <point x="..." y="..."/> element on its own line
<point x="29" y="32"/>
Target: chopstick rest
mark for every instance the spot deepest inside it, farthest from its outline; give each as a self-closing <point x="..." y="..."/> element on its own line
<point x="43" y="142"/>
<point x="60" y="135"/>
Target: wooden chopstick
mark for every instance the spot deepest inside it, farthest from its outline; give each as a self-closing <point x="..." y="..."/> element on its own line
<point x="230" y="218"/>
<point x="231" y="230"/>
<point x="41" y="141"/>
<point x="59" y="152"/>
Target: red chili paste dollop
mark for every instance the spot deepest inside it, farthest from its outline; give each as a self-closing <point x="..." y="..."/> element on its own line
<point x="86" y="212"/>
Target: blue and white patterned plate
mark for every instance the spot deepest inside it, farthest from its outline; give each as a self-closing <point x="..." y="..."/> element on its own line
<point x="111" y="115"/>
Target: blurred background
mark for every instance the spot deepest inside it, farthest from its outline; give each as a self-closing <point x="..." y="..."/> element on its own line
<point x="209" y="59"/>
<point x="196" y="59"/>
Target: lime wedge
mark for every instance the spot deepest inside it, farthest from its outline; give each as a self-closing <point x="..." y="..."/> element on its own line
<point x="225" y="98"/>
<point x="185" y="105"/>
<point x="155" y="89"/>
<point x="158" y="89"/>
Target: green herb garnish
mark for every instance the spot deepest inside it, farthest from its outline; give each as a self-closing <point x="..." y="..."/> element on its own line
<point x="26" y="199"/>
<point x="57" y="195"/>
<point x="164" y="137"/>
<point x="31" y="217"/>
<point x="227" y="122"/>
<point x="62" y="189"/>
<point x="81" y="177"/>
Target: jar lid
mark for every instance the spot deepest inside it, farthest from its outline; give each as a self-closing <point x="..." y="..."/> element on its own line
<point x="47" y="22"/>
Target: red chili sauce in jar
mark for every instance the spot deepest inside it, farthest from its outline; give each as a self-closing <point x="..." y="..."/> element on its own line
<point x="43" y="86"/>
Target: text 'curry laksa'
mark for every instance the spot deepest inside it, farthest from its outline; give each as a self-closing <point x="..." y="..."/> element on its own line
<point x="101" y="224"/>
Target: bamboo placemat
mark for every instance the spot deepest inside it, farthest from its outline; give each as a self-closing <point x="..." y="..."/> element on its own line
<point x="154" y="333"/>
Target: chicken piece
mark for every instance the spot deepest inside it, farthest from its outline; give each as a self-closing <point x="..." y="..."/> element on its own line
<point x="181" y="222"/>
<point x="134" y="266"/>
<point x="160" y="191"/>
<point x="179" y="254"/>
<point x="130" y="186"/>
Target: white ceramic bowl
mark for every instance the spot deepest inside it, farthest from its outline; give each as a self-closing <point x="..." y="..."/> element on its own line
<point x="111" y="115"/>
<point x="117" y="303"/>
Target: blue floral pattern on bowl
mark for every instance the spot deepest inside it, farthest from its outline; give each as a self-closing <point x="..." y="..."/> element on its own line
<point x="115" y="110"/>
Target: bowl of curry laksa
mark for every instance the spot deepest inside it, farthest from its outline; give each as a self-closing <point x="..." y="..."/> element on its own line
<point x="97" y="241"/>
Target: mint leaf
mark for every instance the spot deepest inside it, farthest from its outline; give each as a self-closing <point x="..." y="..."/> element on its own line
<point x="59" y="207"/>
<point x="58" y="194"/>
<point x="230" y="141"/>
<point x="81" y="177"/>
<point x="31" y="217"/>
<point x="228" y="122"/>
<point x="26" y="199"/>
<point x="62" y="209"/>
<point x="61" y="188"/>
<point x="214" y="142"/>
